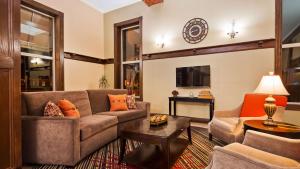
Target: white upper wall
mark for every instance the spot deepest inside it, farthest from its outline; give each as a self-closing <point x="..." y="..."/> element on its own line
<point x="255" y="19"/>
<point x="106" y="6"/>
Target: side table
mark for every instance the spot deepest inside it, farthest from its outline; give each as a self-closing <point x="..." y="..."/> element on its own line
<point x="283" y="129"/>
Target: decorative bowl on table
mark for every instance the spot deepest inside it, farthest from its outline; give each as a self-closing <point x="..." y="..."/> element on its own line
<point x="175" y="93"/>
<point x="157" y="120"/>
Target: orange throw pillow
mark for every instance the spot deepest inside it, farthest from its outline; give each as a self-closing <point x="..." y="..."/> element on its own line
<point x="118" y="102"/>
<point x="68" y="108"/>
<point x="253" y="105"/>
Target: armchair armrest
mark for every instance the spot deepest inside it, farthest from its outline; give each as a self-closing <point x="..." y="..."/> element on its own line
<point x="233" y="159"/>
<point x="229" y="113"/>
<point x="50" y="140"/>
<point x="285" y="147"/>
<point x="144" y="106"/>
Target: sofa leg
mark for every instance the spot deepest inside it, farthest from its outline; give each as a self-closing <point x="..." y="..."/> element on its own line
<point x="209" y="136"/>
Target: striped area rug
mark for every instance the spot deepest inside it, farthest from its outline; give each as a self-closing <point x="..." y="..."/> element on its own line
<point x="195" y="156"/>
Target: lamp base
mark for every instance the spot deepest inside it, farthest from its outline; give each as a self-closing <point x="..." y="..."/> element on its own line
<point x="270" y="108"/>
<point x="270" y="123"/>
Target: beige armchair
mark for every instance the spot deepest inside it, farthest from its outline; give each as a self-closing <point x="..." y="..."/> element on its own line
<point x="258" y="151"/>
<point x="228" y="126"/>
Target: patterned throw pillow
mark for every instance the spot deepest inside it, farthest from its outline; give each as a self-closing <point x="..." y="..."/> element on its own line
<point x="130" y="99"/>
<point x="68" y="108"/>
<point x="52" y="110"/>
<point x="117" y="102"/>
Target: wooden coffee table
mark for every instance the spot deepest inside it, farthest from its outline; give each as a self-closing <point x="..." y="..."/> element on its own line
<point x="283" y="129"/>
<point x="161" y="145"/>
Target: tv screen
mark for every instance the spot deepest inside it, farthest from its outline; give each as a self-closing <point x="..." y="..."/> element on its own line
<point x="198" y="76"/>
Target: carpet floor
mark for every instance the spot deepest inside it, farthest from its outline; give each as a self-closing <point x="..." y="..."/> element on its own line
<point x="195" y="155"/>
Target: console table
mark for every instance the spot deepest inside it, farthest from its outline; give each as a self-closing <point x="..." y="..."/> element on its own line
<point x="210" y="101"/>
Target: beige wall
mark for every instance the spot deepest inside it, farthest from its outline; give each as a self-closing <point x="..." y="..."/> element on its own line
<point x="82" y="75"/>
<point x="232" y="74"/>
<point x="83" y="34"/>
<point x="254" y="20"/>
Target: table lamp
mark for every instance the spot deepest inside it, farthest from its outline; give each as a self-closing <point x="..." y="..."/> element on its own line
<point x="271" y="85"/>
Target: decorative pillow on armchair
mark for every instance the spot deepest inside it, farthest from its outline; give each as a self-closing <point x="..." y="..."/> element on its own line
<point x="130" y="99"/>
<point x="118" y="102"/>
<point x="51" y="109"/>
<point x="68" y="108"/>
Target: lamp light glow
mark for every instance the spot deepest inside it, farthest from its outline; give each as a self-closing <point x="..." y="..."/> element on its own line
<point x="271" y="84"/>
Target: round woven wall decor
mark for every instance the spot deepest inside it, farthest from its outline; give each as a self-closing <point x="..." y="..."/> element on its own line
<point x="195" y="30"/>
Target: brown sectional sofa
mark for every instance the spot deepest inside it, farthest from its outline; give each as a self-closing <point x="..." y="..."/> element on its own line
<point x="65" y="141"/>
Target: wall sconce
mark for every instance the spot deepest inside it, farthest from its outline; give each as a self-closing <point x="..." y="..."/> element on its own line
<point x="233" y="32"/>
<point x="160" y="41"/>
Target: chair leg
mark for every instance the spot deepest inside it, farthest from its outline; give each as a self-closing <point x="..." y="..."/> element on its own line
<point x="209" y="136"/>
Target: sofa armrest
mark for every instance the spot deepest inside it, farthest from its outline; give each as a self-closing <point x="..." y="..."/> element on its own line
<point x="229" y="113"/>
<point x="285" y="147"/>
<point x="50" y="140"/>
<point x="143" y="106"/>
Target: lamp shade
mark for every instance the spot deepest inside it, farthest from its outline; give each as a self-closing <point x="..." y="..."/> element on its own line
<point x="272" y="85"/>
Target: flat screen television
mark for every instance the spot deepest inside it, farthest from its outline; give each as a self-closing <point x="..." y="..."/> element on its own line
<point x="197" y="76"/>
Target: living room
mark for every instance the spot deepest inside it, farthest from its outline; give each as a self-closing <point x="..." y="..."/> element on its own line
<point x="151" y="51"/>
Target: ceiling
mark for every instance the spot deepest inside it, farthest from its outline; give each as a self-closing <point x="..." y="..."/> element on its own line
<point x="109" y="5"/>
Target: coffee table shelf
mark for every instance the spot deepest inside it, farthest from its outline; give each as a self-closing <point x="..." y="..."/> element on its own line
<point x="150" y="156"/>
<point x="161" y="145"/>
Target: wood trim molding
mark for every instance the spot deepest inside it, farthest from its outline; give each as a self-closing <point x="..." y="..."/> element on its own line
<point x="10" y="85"/>
<point x="41" y="7"/>
<point x="6" y="62"/>
<point x="128" y="23"/>
<point x="278" y="37"/>
<point x="84" y="58"/>
<point x="251" y="45"/>
<point x="59" y="38"/>
<point x="108" y="61"/>
<point x="293" y="107"/>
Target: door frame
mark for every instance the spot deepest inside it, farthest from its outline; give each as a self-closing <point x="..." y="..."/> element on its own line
<point x="117" y="51"/>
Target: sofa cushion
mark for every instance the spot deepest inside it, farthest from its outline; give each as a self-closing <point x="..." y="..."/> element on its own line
<point x="118" y="102"/>
<point x="52" y="110"/>
<point x="99" y="99"/>
<point x="262" y="156"/>
<point x="124" y="116"/>
<point x="227" y="124"/>
<point x="91" y="125"/>
<point x="68" y="108"/>
<point x="130" y="99"/>
<point x="36" y="101"/>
